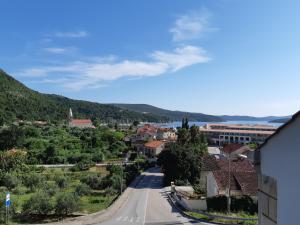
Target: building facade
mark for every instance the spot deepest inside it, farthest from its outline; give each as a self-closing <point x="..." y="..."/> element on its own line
<point x="278" y="166"/>
<point x="221" y="134"/>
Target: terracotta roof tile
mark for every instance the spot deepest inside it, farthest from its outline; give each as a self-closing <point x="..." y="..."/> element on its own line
<point x="153" y="144"/>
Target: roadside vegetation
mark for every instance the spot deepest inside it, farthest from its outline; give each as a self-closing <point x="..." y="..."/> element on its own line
<point x="181" y="163"/>
<point x="40" y="194"/>
<point x="59" y="144"/>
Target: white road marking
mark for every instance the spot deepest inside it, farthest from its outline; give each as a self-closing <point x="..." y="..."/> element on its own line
<point x="125" y="218"/>
<point x="119" y="218"/>
<point x="147" y="193"/>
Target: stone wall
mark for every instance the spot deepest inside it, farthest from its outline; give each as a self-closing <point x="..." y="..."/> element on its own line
<point x="267" y="200"/>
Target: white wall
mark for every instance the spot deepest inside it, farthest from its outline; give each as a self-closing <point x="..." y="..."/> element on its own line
<point x="280" y="159"/>
<point x="212" y="187"/>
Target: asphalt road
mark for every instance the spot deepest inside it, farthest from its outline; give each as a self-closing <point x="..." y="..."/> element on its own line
<point x="148" y="205"/>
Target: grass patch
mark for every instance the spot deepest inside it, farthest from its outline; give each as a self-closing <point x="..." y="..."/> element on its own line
<point x="225" y="221"/>
<point x="95" y="203"/>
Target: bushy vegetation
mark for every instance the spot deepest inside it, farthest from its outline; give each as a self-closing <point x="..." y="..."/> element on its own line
<point x="51" y="193"/>
<point x="42" y="194"/>
<point x="51" y="144"/>
<point x="181" y="161"/>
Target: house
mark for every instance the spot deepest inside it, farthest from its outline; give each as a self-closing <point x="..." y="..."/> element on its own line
<point x="80" y="123"/>
<point x="166" y="134"/>
<point x="221" y="134"/>
<point x="278" y="166"/>
<point x="241" y="183"/>
<point x="243" y="177"/>
<point x="145" y="133"/>
<point x="153" y="148"/>
<point x="234" y="150"/>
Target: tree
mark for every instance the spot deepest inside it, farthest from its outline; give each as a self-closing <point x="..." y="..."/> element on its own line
<point x="10" y="181"/>
<point x="181" y="163"/>
<point x="185" y="123"/>
<point x="66" y="203"/>
<point x="82" y="189"/>
<point x="183" y="136"/>
<point x="38" y="204"/>
<point x="94" y="181"/>
<point x="135" y="123"/>
<point x="62" y="181"/>
<point x="32" y="180"/>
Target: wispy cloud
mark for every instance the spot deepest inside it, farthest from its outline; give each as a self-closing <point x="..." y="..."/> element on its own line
<point x="71" y="34"/>
<point x="82" y="74"/>
<point x="58" y="50"/>
<point x="192" y="25"/>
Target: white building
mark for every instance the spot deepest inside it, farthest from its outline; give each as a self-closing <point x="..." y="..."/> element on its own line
<point x="279" y="180"/>
<point x="236" y="133"/>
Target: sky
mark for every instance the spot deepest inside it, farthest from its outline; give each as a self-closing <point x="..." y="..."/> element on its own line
<point x="234" y="57"/>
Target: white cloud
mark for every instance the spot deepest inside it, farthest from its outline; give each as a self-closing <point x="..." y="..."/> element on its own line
<point x="182" y="57"/>
<point x="33" y="72"/>
<point x="91" y="74"/>
<point x="57" y="50"/>
<point x="192" y="26"/>
<point x="71" y="34"/>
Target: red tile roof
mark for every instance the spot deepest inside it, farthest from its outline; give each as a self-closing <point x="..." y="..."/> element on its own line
<point x="236" y="165"/>
<point x="246" y="182"/>
<point x="147" y="129"/>
<point x="209" y="163"/>
<point x="81" y="122"/>
<point x="229" y="148"/>
<point x="153" y="144"/>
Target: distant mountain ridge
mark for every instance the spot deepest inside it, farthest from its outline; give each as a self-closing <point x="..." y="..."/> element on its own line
<point x="178" y="115"/>
<point x="20" y="102"/>
<point x="253" y="118"/>
<point x="171" y="115"/>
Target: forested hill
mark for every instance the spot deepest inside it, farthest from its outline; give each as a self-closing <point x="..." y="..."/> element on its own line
<point x="172" y="115"/>
<point x="19" y="102"/>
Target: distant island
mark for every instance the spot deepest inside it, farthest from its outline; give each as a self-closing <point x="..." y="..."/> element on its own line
<point x="282" y="120"/>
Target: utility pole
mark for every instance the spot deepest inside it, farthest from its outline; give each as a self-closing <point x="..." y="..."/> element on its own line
<point x="121" y="178"/>
<point x="228" y="194"/>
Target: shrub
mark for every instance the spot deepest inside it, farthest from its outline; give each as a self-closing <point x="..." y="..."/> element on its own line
<point x="10" y="181"/>
<point x="62" y="181"/>
<point x="49" y="188"/>
<point x="38" y="204"/>
<point x="81" y="166"/>
<point x="66" y="203"/>
<point x="82" y="189"/>
<point x="218" y="203"/>
<point x="244" y="203"/>
<point x="32" y="181"/>
<point x="93" y="180"/>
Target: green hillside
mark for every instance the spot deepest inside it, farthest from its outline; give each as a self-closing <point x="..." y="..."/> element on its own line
<point x="172" y="115"/>
<point x="19" y="102"/>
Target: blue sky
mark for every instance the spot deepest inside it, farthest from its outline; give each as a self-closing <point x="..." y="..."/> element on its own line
<point x="209" y="56"/>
